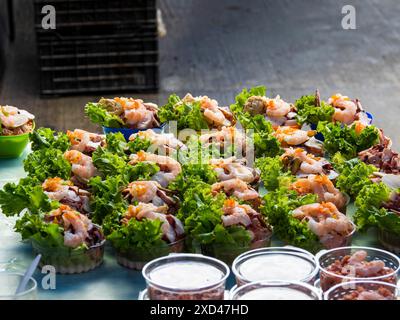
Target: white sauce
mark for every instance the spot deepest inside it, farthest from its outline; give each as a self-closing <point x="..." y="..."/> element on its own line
<point x="186" y="275"/>
<point x="275" y="267"/>
<point x="274" y="293"/>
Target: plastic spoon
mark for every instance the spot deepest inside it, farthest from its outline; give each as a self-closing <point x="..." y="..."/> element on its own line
<point x="28" y="274"/>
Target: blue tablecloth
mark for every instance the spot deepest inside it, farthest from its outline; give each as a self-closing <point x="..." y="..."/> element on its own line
<point x="109" y="281"/>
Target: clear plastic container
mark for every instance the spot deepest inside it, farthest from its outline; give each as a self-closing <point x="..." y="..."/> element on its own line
<point x="185" y="277"/>
<point x="389" y="241"/>
<point x="275" y="290"/>
<point x="67" y="260"/>
<point x="351" y="291"/>
<point x="227" y="253"/>
<point x="275" y="263"/>
<point x="136" y="258"/>
<point x="326" y="258"/>
<point x="9" y="283"/>
<point x="338" y="242"/>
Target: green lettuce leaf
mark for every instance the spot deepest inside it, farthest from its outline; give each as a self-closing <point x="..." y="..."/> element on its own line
<point x="98" y="113"/>
<point x="308" y="112"/>
<point x="45" y="138"/>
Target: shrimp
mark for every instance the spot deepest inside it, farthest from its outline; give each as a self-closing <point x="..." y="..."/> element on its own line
<point x="79" y="225"/>
<point x="345" y="109"/>
<point x="214" y="115"/>
<point x="322" y="187"/>
<point x="82" y="140"/>
<point x="236" y="187"/>
<point x="12" y="117"/>
<point x="277" y="108"/>
<point x="236" y="214"/>
<point x="82" y="165"/>
<point x="309" y="163"/>
<point x="169" y="168"/>
<point x="166" y="140"/>
<point x="292" y="136"/>
<point x="171" y="227"/>
<point x="230" y="168"/>
<point x="225" y="137"/>
<point x="364" y="268"/>
<point x="324" y="220"/>
<point x="143" y="191"/>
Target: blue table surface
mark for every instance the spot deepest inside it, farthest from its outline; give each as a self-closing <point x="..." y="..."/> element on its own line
<point x="107" y="282"/>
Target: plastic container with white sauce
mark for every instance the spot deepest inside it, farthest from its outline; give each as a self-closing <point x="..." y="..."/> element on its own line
<point x="275" y="263"/>
<point x="185" y="277"/>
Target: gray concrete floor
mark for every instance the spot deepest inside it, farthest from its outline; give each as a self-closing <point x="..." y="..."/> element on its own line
<point x="218" y="47"/>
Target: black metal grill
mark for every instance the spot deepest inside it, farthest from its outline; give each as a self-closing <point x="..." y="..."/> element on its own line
<point x="98" y="46"/>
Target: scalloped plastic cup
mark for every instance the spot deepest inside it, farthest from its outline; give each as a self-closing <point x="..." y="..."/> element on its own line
<point x="136" y="258"/>
<point x="71" y="261"/>
<point x="128" y="132"/>
<point x="389" y="240"/>
<point x="275" y="290"/>
<point x="329" y="279"/>
<point x="339" y="291"/>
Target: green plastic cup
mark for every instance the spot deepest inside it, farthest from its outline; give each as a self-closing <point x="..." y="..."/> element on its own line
<point x="13" y="146"/>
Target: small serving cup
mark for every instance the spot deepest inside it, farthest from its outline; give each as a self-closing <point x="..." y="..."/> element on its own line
<point x="9" y="283"/>
<point x="128" y="132"/>
<point x="297" y="253"/>
<point x="212" y="291"/>
<point x="329" y="279"/>
<point x="389" y="240"/>
<point x="136" y="258"/>
<point x="13" y="146"/>
<point x="340" y="290"/>
<point x="342" y="241"/>
<point x="306" y="290"/>
<point x="68" y="260"/>
<point x="227" y="253"/>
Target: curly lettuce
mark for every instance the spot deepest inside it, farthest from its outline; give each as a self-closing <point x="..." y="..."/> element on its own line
<point x="273" y="173"/>
<point x="98" y="113"/>
<point x="310" y="113"/>
<point x="45" y="138"/>
<point x="27" y="194"/>
<point x="187" y="115"/>
<point x="346" y="139"/>
<point x="278" y="206"/>
<point x="354" y="175"/>
<point x="45" y="163"/>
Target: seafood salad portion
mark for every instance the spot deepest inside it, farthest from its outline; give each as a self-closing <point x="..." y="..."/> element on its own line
<point x="301" y="163"/>
<point x="292" y="136"/>
<point x="123" y="113"/>
<point x="68" y="194"/>
<point x="164" y="143"/>
<point x="196" y="113"/>
<point x="66" y="239"/>
<point x="276" y="110"/>
<point x="144" y="232"/>
<point x="232" y="168"/>
<point x="82" y="167"/>
<point x="331" y="226"/>
<point x="364" y="293"/>
<point x="224" y="138"/>
<point x="169" y="167"/>
<point x="151" y="192"/>
<point x="348" y="111"/>
<point x="84" y="141"/>
<point x="14" y="121"/>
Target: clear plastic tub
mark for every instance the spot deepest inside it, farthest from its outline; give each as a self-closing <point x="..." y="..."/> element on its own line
<point x="354" y="291"/>
<point x="389" y="241"/>
<point x="326" y="258"/>
<point x="338" y="242"/>
<point x="185" y="277"/>
<point x="136" y="258"/>
<point x="275" y="290"/>
<point x="275" y="263"/>
<point x="9" y="283"/>
<point x="67" y="260"/>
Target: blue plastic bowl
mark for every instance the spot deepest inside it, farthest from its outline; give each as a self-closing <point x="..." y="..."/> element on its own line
<point x="320" y="137"/>
<point x="128" y="132"/>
